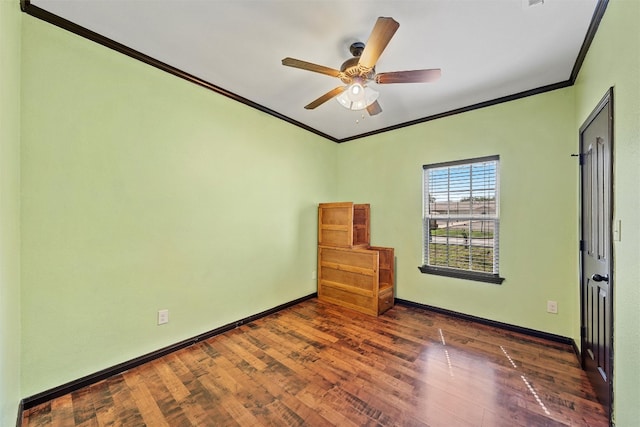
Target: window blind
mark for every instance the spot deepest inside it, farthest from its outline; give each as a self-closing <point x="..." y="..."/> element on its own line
<point x="461" y="215"/>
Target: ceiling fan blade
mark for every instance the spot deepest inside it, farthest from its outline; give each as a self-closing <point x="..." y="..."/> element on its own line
<point x="414" y="76"/>
<point x="324" y="98"/>
<point x="374" y="109"/>
<point x="380" y="36"/>
<point x="296" y="63"/>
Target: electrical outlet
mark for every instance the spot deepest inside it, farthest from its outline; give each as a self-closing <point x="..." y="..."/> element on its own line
<point x="314" y="275"/>
<point x="163" y="316"/>
<point x="552" y="307"/>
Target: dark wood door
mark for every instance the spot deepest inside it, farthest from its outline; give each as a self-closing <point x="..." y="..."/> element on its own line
<point x="596" y="140"/>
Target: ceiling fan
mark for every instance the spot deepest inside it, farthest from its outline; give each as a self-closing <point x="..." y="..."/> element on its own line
<point x="358" y="71"/>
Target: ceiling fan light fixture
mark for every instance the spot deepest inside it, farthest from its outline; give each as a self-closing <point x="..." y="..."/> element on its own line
<point x="357" y="97"/>
<point x="355" y="92"/>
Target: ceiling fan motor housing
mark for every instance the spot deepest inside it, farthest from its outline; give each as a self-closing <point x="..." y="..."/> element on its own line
<point x="351" y="68"/>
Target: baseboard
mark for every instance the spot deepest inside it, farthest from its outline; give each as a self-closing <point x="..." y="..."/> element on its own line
<point x="48" y="395"/>
<point x="504" y="326"/>
<point x="45" y="396"/>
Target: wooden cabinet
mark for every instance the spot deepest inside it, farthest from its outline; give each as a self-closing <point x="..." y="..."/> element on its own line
<point x="351" y="273"/>
<point x="345" y="225"/>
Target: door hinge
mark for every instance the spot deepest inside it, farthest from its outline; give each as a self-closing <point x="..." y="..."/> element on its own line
<point x="582" y="245"/>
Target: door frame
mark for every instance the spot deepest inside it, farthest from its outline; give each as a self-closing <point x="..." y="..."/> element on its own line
<point x="605" y="102"/>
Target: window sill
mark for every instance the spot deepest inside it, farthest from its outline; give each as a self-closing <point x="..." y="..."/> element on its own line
<point x="460" y="274"/>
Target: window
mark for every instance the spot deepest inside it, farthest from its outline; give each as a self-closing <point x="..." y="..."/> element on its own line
<point x="461" y="219"/>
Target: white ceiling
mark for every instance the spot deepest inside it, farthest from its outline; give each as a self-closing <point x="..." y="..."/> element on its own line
<point x="487" y="49"/>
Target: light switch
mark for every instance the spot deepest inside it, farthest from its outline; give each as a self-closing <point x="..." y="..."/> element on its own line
<point x="617" y="230"/>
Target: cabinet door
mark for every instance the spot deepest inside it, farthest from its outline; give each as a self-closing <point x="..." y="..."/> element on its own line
<point x="335" y="224"/>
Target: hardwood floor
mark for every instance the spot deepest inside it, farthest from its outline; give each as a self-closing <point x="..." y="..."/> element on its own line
<point x="316" y="364"/>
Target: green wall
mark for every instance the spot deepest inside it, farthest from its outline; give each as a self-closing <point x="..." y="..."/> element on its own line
<point x="534" y="137"/>
<point x="614" y="61"/>
<point x="10" y="394"/>
<point x="141" y="191"/>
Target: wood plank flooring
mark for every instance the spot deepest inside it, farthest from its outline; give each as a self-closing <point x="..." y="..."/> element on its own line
<point x="316" y="364"/>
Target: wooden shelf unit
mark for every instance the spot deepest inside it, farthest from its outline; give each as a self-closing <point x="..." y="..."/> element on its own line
<point x="351" y="273"/>
<point x="344" y="224"/>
